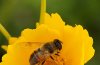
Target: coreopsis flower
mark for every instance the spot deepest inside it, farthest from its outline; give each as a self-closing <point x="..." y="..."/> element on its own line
<point x="77" y="44"/>
<point x="76" y="50"/>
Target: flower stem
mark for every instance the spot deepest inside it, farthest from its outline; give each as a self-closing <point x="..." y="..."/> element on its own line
<point x="4" y="32"/>
<point x="43" y="11"/>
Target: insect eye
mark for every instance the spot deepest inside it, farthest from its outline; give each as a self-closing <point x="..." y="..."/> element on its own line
<point x="58" y="44"/>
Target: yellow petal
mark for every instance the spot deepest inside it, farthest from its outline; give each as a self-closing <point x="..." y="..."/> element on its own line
<point x="73" y="45"/>
<point x="89" y="51"/>
<point x="18" y="57"/>
<point x="12" y="40"/>
<point x="41" y="34"/>
<point x="74" y="40"/>
<point x="55" y="22"/>
<point x="68" y="39"/>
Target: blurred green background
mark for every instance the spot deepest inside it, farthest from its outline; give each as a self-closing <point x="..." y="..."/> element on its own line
<point x="17" y="15"/>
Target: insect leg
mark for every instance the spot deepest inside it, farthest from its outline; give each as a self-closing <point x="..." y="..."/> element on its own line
<point x="58" y="52"/>
<point x="59" y="56"/>
<point x="51" y="57"/>
<point x="42" y="62"/>
<point x="54" y="60"/>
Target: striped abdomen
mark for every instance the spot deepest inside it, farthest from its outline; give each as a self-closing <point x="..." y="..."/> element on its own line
<point x="36" y="57"/>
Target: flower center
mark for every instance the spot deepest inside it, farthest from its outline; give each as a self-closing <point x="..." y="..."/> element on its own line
<point x="57" y="61"/>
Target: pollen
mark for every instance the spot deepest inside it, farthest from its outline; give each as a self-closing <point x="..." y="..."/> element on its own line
<point x="57" y="61"/>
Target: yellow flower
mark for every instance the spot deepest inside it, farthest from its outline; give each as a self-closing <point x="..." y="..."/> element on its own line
<point x="77" y="44"/>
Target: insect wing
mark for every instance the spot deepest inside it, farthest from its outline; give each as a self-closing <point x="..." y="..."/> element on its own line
<point x="29" y="45"/>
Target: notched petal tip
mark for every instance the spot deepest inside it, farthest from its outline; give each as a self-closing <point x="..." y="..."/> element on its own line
<point x="89" y="53"/>
<point x="41" y="34"/>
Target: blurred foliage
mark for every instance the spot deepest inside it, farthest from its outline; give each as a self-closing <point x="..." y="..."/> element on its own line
<point x="16" y="15"/>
